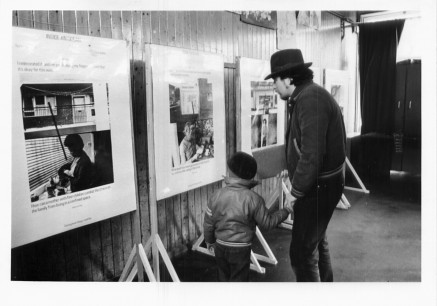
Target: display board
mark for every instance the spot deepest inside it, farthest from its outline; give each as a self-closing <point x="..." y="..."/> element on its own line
<point x="189" y="119"/>
<point x="317" y="75"/>
<point x="262" y="117"/>
<point x="337" y="84"/>
<point x="262" y="112"/>
<point x="69" y="89"/>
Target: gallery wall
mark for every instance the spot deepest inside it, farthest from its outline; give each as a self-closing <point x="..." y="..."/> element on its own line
<point x="98" y="252"/>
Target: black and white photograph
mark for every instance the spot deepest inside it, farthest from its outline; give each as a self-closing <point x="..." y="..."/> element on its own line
<point x="68" y="164"/>
<point x="264" y="109"/>
<point x="237" y="153"/>
<point x="191" y="121"/>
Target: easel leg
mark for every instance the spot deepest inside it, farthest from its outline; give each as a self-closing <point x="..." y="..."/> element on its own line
<point x="255" y="258"/>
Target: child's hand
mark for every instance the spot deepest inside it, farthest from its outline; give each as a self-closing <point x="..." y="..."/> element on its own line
<point x="210" y="247"/>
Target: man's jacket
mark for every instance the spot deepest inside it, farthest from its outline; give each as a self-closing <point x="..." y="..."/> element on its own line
<point x="315" y="138"/>
<point x="234" y="211"/>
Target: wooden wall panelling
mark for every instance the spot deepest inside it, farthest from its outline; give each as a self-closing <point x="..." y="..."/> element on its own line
<point x="41" y="20"/>
<point x="226" y="25"/>
<point x="154" y="21"/>
<point x="204" y="201"/>
<point x="105" y="24"/>
<point x="236" y="29"/>
<point x="69" y="18"/>
<point x="194" y="32"/>
<point x="107" y="250"/>
<point x="186" y="24"/>
<point x="185" y="239"/>
<point x="117" y="25"/>
<point x="198" y="208"/>
<point x="162" y="222"/>
<point x="14" y="18"/>
<point x="31" y="265"/>
<point x="205" y="23"/>
<point x="257" y="42"/>
<point x="96" y="255"/>
<point x="163" y="28"/>
<point x="171" y="28"/>
<point x="147" y="27"/>
<point x="57" y="258"/>
<point x="179" y="29"/>
<point x="85" y="270"/>
<point x="192" y="230"/>
<point x="177" y="224"/>
<point x="217" y="22"/>
<point x="82" y="22"/>
<point x="169" y="224"/>
<point x="55" y="21"/>
<point x="25" y="19"/>
<point x="94" y="23"/>
<point x="212" y="32"/>
<point x="71" y="247"/>
<point x="200" y="31"/>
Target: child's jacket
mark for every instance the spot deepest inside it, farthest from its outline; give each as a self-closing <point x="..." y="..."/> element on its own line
<point x="234" y="211"/>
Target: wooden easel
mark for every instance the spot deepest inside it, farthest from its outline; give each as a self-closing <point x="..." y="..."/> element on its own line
<point x="138" y="253"/>
<point x="357" y="178"/>
<point x="254" y="258"/>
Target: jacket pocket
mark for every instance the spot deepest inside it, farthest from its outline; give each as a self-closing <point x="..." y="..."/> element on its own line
<point x="296" y="147"/>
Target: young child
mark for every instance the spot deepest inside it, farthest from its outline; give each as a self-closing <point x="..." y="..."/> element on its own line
<point x="231" y="217"/>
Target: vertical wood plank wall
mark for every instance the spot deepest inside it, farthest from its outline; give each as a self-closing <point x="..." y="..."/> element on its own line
<point x="98" y="252"/>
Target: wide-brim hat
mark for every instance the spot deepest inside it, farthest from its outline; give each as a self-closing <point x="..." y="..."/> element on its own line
<point x="286" y="60"/>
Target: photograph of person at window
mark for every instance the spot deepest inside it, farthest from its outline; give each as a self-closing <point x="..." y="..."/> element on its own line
<point x="80" y="171"/>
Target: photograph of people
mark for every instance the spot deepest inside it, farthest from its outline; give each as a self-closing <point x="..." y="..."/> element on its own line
<point x="188" y="149"/>
<point x="191" y="133"/>
<point x="80" y="172"/>
<point x="264" y="132"/>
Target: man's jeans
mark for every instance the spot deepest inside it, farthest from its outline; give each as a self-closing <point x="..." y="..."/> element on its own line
<point x="309" y="252"/>
<point x="233" y="263"/>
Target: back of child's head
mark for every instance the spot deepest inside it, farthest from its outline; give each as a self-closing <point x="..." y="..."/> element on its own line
<point x="242" y="165"/>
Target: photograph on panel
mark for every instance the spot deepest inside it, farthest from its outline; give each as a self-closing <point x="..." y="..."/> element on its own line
<point x="191" y="122"/>
<point x="67" y="138"/>
<point x="264" y="112"/>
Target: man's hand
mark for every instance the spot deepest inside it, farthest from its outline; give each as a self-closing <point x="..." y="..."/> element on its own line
<point x="289" y="203"/>
<point x="210" y="247"/>
<point x="289" y="198"/>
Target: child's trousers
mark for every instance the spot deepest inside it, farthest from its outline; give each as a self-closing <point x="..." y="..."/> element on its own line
<point x="233" y="263"/>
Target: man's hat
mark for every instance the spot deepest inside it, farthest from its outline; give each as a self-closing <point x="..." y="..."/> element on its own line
<point x="243" y="165"/>
<point x="286" y="60"/>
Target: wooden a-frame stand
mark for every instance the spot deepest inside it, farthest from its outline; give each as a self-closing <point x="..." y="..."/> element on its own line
<point x="278" y="193"/>
<point x="344" y="203"/>
<point x="138" y="259"/>
<point x="254" y="257"/>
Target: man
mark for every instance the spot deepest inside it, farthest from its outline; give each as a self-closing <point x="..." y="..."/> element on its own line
<point x="80" y="171"/>
<point x="315" y="154"/>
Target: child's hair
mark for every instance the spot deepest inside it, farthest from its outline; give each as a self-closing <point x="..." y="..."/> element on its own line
<point x="243" y="165"/>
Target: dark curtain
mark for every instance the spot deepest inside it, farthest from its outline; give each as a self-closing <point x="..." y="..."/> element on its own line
<point x="377" y="63"/>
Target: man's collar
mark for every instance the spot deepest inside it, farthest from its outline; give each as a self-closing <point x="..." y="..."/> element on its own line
<point x="298" y="90"/>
